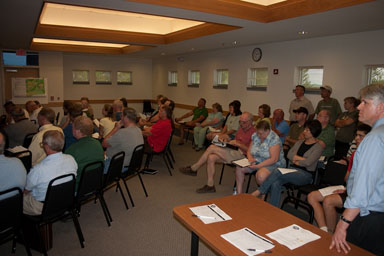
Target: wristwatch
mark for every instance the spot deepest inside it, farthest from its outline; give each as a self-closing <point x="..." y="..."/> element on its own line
<point x="345" y="220"/>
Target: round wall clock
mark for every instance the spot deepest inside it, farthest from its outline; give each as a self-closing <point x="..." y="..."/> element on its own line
<point x="257" y="54"/>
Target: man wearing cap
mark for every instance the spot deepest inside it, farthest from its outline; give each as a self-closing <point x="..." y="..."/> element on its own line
<point x="297" y="128"/>
<point x="300" y="101"/>
<point x="328" y="103"/>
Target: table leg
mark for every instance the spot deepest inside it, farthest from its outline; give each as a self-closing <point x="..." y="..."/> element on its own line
<point x="194" y="245"/>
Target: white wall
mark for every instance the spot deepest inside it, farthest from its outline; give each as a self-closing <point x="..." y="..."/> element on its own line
<point x="343" y="57"/>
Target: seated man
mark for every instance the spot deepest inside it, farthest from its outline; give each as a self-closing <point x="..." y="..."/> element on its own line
<point x="86" y="108"/>
<point x="215" y="154"/>
<point x="54" y="165"/>
<point x="45" y="119"/>
<point x="296" y="128"/>
<point x="16" y="132"/>
<point x="74" y="111"/>
<point x="125" y="136"/>
<point x="199" y="114"/>
<point x="327" y="136"/>
<point x="86" y="149"/>
<point x="279" y="125"/>
<point x="118" y="109"/>
<point x="33" y="110"/>
<point x="326" y="214"/>
<point x="12" y="171"/>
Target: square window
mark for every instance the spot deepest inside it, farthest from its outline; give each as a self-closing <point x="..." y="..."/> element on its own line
<point x="257" y="78"/>
<point x="311" y="77"/>
<point x="124" y="77"/>
<point x="80" y="76"/>
<point x="375" y="74"/>
<point x="172" y="78"/>
<point x="193" y="78"/>
<point x="221" y="78"/>
<point x="103" y="77"/>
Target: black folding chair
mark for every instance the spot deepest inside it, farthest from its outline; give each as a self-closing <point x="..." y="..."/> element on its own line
<point x="11" y="209"/>
<point x="113" y="176"/>
<point x="28" y="139"/>
<point x="59" y="200"/>
<point x="250" y="174"/>
<point x="91" y="184"/>
<point x="134" y="168"/>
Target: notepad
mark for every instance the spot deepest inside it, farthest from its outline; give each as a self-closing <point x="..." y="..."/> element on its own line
<point x="329" y="190"/>
<point x="286" y="170"/>
<point x="17" y="149"/>
<point x="242" y="162"/>
<point x="248" y="241"/>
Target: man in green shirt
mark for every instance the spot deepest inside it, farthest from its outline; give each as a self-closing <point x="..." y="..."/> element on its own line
<point x="199" y="114"/>
<point x="327" y="135"/>
<point x="87" y="149"/>
<point x="328" y="103"/>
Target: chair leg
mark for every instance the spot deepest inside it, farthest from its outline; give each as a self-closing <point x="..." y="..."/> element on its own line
<point x="221" y="175"/>
<point x="169" y="160"/>
<point x="78" y="228"/>
<point x="122" y="194"/>
<point x="142" y="184"/>
<point x="166" y="163"/>
<point x="171" y="154"/>
<point x="26" y="246"/>
<point x="41" y="242"/>
<point x="249" y="182"/>
<point x="129" y="193"/>
<point x="105" y="209"/>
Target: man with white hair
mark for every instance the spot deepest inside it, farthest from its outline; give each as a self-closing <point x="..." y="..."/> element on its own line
<point x="362" y="222"/>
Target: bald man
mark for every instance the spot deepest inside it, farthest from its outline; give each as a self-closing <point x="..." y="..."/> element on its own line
<point x="279" y="125"/>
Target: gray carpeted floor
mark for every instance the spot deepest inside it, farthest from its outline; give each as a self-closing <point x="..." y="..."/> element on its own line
<point x="148" y="228"/>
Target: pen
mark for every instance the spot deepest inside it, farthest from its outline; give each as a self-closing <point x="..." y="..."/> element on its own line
<point x="256" y="250"/>
<point x="203" y="217"/>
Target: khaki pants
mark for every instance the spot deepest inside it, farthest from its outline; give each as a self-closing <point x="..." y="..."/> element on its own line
<point x="31" y="206"/>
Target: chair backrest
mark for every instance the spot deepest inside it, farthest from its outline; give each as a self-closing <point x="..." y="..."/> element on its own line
<point x="169" y="142"/>
<point x="28" y="139"/>
<point x="60" y="196"/>
<point x="26" y="158"/>
<point x="147" y="108"/>
<point x="11" y="209"/>
<point x="91" y="179"/>
<point x="334" y="173"/>
<point x="57" y="118"/>
<point x="136" y="159"/>
<point x="115" y="168"/>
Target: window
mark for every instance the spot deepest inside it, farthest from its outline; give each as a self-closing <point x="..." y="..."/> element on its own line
<point x="103" y="77"/>
<point x="311" y="77"/>
<point x="80" y="76"/>
<point x="375" y="74"/>
<point x="257" y="78"/>
<point x="221" y="79"/>
<point x="172" y="78"/>
<point x="193" y="78"/>
<point x="124" y="77"/>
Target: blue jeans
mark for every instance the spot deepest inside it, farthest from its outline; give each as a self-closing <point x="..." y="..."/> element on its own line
<point x="276" y="180"/>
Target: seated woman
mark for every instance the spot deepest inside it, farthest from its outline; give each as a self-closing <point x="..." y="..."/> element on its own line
<point x="232" y="123"/>
<point x="265" y="153"/>
<point x="106" y="123"/>
<point x="264" y="113"/>
<point x="214" y="119"/>
<point x="303" y="157"/>
<point x="326" y="215"/>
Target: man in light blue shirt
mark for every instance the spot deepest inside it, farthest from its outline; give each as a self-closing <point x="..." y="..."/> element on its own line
<point x="279" y="125"/>
<point x="362" y="222"/>
<point x="12" y="171"/>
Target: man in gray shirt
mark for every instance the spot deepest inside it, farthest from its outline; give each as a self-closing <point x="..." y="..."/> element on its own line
<point x="124" y="137"/>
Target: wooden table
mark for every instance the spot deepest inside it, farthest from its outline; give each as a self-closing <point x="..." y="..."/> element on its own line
<point x="261" y="217"/>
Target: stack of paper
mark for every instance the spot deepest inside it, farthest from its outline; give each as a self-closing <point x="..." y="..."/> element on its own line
<point x="293" y="236"/>
<point x="17" y="149"/>
<point x="210" y="213"/>
<point x="286" y="170"/>
<point x="242" y="162"/>
<point x="329" y="190"/>
<point x="248" y="241"/>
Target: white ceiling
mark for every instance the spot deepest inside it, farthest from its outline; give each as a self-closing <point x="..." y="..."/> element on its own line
<point x="18" y="19"/>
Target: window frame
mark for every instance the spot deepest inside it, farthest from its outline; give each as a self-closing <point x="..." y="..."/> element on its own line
<point x="192" y="78"/>
<point x="120" y="81"/>
<point x="369" y="69"/>
<point x="217" y="78"/>
<point x="172" y="78"/>
<point x="251" y="78"/>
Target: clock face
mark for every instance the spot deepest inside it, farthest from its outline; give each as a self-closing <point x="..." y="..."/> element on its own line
<point x="257" y="54"/>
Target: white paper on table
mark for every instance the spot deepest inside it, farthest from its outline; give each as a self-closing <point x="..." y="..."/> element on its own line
<point x="17" y="149"/>
<point x="212" y="213"/>
<point x="293" y="236"/>
<point x="242" y="162"/>
<point x="245" y="239"/>
<point x="329" y="190"/>
<point x="286" y="170"/>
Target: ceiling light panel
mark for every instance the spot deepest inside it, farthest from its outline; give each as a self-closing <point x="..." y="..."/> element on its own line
<point x="86" y="17"/>
<point x="82" y="43"/>
<point x="263" y="2"/>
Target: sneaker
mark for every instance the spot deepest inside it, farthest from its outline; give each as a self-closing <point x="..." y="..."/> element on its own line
<point x="150" y="171"/>
<point x="187" y="171"/>
<point x="206" y="189"/>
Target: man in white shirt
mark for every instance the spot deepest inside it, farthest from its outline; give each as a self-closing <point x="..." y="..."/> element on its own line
<point x="300" y="101"/>
<point x="45" y="119"/>
<point x="54" y="165"/>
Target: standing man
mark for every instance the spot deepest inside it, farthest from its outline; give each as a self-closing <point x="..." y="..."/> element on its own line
<point x="300" y="101"/>
<point x="328" y="103"/>
<point x="327" y="135"/>
<point x="199" y="114"/>
<point x="362" y="222"/>
<point x="279" y="125"/>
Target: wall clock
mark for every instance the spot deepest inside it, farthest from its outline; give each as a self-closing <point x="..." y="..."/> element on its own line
<point x="257" y="54"/>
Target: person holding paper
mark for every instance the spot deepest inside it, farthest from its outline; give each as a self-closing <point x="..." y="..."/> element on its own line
<point x="265" y="153"/>
<point x="325" y="214"/>
<point x="215" y="154"/>
<point x="107" y="123"/>
<point x="303" y="157"/>
<point x="362" y="222"/>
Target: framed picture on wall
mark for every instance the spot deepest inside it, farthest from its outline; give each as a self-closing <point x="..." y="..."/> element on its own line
<point x="103" y="77"/>
<point x="124" y="77"/>
<point x="80" y="76"/>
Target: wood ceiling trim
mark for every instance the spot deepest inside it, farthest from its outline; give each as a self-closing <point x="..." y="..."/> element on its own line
<point x="74" y="48"/>
<point x="197" y="31"/>
<point x="135" y="48"/>
<point x="248" y="11"/>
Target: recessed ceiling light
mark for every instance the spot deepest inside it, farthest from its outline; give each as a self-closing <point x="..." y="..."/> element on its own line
<point x="82" y="43"/>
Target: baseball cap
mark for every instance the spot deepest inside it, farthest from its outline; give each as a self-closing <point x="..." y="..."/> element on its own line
<point x="326" y="87"/>
<point x="301" y="110"/>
